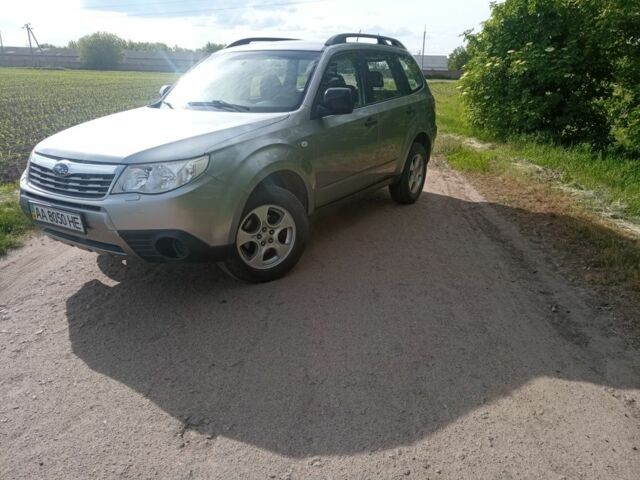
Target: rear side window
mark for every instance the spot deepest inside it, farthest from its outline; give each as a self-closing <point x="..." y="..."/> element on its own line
<point x="414" y="75"/>
<point x="381" y="83"/>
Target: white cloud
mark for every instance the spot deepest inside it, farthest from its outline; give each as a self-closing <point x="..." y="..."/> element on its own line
<point x="193" y="25"/>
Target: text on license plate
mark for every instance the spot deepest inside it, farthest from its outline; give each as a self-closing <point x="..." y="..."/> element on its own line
<point x="60" y="218"/>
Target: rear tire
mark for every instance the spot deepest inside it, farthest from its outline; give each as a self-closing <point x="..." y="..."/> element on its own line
<point x="270" y="238"/>
<point x="409" y="187"/>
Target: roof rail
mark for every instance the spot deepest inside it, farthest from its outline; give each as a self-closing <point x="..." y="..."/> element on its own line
<point x="342" y="38"/>
<point x="247" y="41"/>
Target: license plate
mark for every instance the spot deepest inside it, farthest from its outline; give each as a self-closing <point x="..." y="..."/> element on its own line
<point x="59" y="218"/>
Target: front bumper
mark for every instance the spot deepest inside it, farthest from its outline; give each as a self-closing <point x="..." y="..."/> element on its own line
<point x="180" y="225"/>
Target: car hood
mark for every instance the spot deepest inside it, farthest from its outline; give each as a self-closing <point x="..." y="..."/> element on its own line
<point x="150" y="134"/>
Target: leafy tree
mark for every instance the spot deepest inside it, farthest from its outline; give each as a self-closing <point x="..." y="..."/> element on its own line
<point x="101" y="51"/>
<point x="210" y="47"/>
<point x="178" y="48"/>
<point x="458" y="58"/>
<point x="564" y="69"/>
<point x="147" y="46"/>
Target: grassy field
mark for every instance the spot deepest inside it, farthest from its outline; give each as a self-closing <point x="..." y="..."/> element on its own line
<point x="37" y="103"/>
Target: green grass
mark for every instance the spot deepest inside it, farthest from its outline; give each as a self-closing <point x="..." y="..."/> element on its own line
<point x="13" y="223"/>
<point x="37" y="103"/>
<point x="450" y="111"/>
<point x="613" y="178"/>
<point x="464" y="157"/>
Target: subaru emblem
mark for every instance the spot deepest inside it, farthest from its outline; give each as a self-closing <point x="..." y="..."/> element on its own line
<point x="61" y="169"/>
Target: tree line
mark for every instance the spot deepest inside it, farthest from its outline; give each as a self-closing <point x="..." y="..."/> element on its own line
<point x="104" y="50"/>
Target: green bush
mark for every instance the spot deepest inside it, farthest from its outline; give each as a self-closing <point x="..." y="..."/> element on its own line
<point x="458" y="58"/>
<point x="566" y="70"/>
<point x="101" y="51"/>
<point x="620" y="21"/>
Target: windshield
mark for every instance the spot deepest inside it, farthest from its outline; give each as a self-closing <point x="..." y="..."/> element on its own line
<point x="259" y="81"/>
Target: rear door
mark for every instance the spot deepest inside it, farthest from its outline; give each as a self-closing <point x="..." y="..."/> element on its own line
<point x="387" y="92"/>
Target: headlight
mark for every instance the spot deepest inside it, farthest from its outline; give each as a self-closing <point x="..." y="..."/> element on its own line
<point x="160" y="177"/>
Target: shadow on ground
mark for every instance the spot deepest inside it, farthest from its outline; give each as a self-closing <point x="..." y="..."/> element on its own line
<point x="397" y="321"/>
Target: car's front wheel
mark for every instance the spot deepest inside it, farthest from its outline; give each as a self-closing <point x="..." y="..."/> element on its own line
<point x="270" y="238"/>
<point x="411" y="182"/>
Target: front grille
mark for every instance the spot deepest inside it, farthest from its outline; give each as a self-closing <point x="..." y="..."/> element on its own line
<point x="76" y="184"/>
<point x="61" y="203"/>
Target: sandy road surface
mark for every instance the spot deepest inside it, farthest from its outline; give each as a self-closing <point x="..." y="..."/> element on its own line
<point x="429" y="341"/>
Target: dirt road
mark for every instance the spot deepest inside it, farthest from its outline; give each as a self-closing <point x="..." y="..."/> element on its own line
<point x="430" y="341"/>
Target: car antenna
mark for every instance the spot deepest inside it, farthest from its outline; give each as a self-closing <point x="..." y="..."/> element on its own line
<point x="358" y="36"/>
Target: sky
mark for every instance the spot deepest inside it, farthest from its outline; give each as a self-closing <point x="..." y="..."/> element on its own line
<point x="192" y="23"/>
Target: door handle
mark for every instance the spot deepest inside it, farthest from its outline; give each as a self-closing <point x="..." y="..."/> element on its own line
<point x="370" y="122"/>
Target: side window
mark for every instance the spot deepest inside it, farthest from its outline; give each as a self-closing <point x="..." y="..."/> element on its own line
<point x="342" y="71"/>
<point x="381" y="83"/>
<point x="413" y="73"/>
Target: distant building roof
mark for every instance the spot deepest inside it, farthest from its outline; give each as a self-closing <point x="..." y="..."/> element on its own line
<point x="432" y="62"/>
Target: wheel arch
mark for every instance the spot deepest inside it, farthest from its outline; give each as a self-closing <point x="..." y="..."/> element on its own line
<point x="284" y="175"/>
<point x="423" y="139"/>
<point x="288" y="180"/>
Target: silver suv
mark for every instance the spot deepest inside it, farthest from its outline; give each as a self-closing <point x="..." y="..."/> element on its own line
<point x="232" y="159"/>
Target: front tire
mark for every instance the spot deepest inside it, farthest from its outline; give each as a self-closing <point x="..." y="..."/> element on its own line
<point x="270" y="238"/>
<point x="409" y="187"/>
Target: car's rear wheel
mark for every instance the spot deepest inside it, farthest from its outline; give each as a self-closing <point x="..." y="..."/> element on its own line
<point x="410" y="184"/>
<point x="270" y="237"/>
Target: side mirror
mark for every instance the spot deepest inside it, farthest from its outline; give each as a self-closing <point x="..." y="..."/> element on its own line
<point x="338" y="101"/>
<point x="164" y="89"/>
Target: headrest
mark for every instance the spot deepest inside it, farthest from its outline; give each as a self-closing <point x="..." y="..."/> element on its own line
<point x="376" y="80"/>
<point x="336" y="81"/>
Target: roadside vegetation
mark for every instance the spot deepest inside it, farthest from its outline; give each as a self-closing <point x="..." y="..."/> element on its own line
<point x="562" y="71"/>
<point x="546" y="120"/>
<point x="577" y="196"/>
<point x="13" y="223"/>
<point x="613" y="178"/>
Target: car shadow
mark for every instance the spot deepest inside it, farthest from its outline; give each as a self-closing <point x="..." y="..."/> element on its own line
<point x="396" y="322"/>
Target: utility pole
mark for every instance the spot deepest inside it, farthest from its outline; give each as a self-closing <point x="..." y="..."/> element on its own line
<point x="424" y="39"/>
<point x="29" y="29"/>
<point x="1" y="44"/>
<point x="26" y="27"/>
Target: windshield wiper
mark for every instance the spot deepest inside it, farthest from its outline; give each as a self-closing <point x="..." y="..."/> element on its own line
<point x="220" y="104"/>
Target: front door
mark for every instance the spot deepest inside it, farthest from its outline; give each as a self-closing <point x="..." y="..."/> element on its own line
<point x="345" y="146"/>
